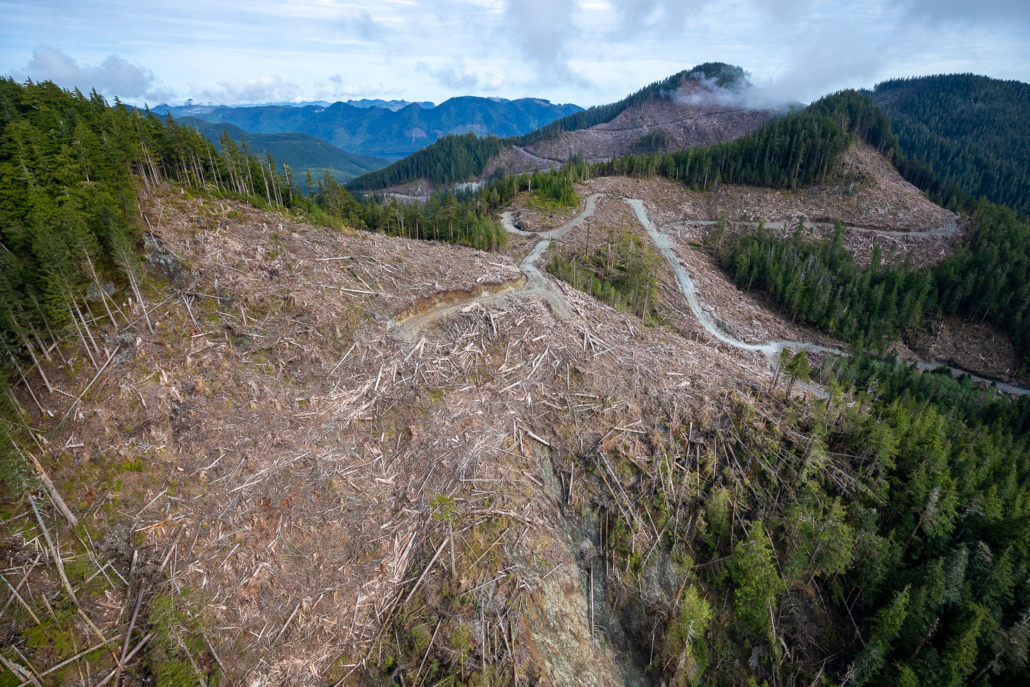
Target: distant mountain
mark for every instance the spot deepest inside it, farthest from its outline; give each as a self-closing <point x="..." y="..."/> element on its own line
<point x="300" y="151"/>
<point x="973" y="131"/>
<point x="700" y="106"/>
<point x="392" y="105"/>
<point x="380" y="131"/>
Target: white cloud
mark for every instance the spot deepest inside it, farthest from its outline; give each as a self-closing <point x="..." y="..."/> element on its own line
<point x="114" y="77"/>
<point x="365" y="27"/>
<point x="456" y="78"/>
<point x="263" y="89"/>
<point x="583" y="51"/>
<point x="542" y="30"/>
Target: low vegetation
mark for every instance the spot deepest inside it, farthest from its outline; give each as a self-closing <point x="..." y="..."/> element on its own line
<point x="623" y="273"/>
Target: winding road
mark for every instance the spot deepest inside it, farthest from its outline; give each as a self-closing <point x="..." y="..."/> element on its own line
<point x="532" y="283"/>
<point x="686" y="285"/>
<point x="535" y="283"/>
<point x="771" y="348"/>
<point x="950" y="227"/>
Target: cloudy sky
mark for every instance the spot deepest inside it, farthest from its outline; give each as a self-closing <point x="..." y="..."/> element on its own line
<point x="582" y="51"/>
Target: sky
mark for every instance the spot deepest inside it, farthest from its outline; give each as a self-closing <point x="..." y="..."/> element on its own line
<point x="586" y="52"/>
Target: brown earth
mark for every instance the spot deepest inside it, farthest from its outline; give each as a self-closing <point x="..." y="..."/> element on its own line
<point x="977" y="346"/>
<point x="278" y="462"/>
<point x="279" y="465"/>
<point x="517" y="160"/>
<point x="870" y="194"/>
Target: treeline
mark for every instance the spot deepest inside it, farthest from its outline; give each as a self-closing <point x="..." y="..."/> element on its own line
<point x="797" y="150"/>
<point x="970" y="132"/>
<point x="461" y="218"/>
<point x="819" y="283"/>
<point x="70" y="170"/>
<point x="987" y="277"/>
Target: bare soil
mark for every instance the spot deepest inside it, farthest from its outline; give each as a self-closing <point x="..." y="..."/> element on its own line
<point x="281" y="455"/>
<point x="980" y="347"/>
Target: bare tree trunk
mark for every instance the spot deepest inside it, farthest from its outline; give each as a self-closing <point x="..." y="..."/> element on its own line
<point x="100" y="287"/>
<point x="59" y="503"/>
<point x="82" y="336"/>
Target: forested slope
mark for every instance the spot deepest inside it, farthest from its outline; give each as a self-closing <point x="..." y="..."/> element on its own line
<point x="972" y="131"/>
<point x="987" y="278"/>
<point x="302" y="152"/>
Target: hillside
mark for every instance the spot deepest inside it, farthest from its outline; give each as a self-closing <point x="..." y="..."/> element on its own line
<point x="971" y="130"/>
<point x="253" y="437"/>
<point x="695" y="115"/>
<point x="300" y="151"/>
<point x="382" y="131"/>
<point x="700" y="106"/>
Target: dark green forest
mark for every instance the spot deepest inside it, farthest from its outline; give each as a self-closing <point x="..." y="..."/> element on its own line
<point x="970" y="131"/>
<point x="70" y="170"/>
<point x="449" y="160"/>
<point x="820" y="283"/>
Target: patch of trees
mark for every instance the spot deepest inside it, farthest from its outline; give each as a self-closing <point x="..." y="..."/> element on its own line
<point x="970" y="132"/>
<point x="875" y="538"/>
<point x="622" y="272"/>
<point x="71" y="171"/>
<point x="652" y="142"/>
<point x="819" y="283"/>
<point x="797" y="150"/>
<point x="987" y="278"/>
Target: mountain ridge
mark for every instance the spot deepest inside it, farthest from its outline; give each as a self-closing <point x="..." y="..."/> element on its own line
<point x="302" y="152"/>
<point x="378" y="130"/>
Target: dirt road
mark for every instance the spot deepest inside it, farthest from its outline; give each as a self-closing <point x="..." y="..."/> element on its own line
<point x="533" y="282"/>
<point x="686" y="285"/>
<point x="950" y="227"/>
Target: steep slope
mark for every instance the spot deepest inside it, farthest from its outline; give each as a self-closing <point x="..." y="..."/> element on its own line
<point x="336" y="443"/>
<point x="300" y="151"/>
<point x="971" y="130"/>
<point x="382" y="131"/>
